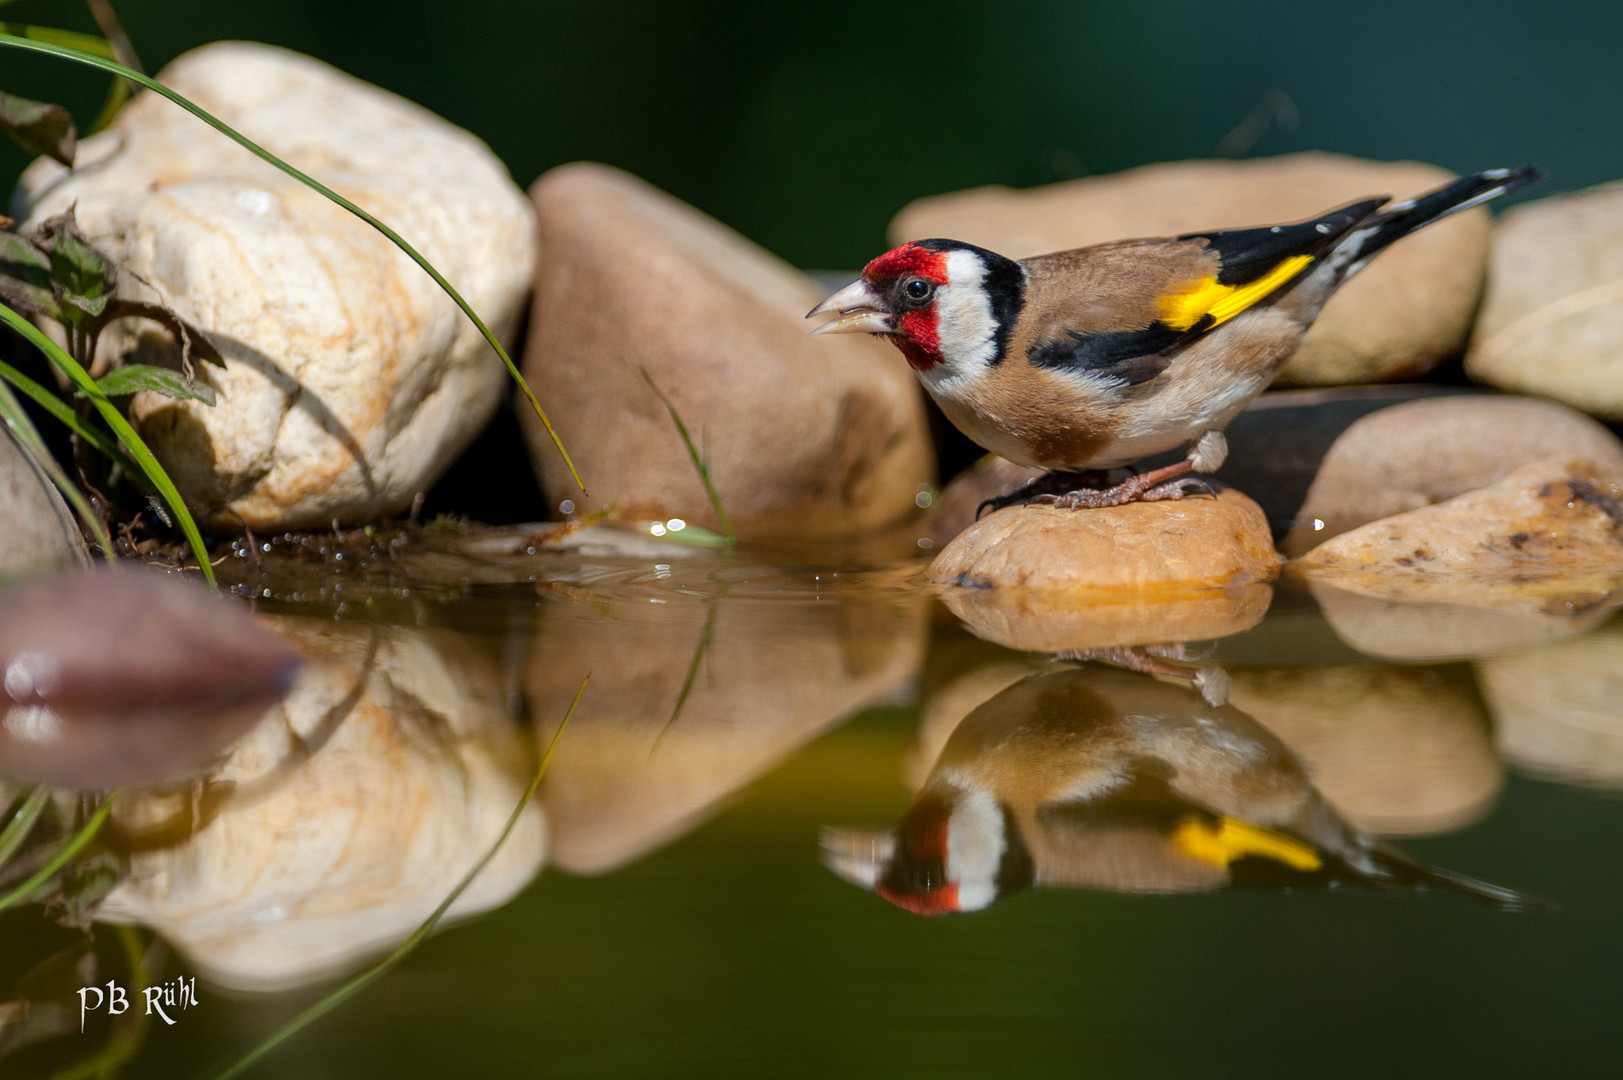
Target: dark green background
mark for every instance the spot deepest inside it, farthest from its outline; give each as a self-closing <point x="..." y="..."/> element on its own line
<point x="807" y="126"/>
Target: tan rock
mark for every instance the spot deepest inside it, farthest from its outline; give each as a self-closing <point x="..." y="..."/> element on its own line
<point x="1555" y="708"/>
<point x="1410" y="309"/>
<point x="804" y="437"/>
<point x="691" y="700"/>
<point x="342" y="820"/>
<point x="1552" y="315"/>
<point x="1548" y="537"/>
<point x="1396" y="750"/>
<point x="1142" y="551"/>
<point x="1418" y="453"/>
<point x="953" y="510"/>
<point x="37" y="531"/>
<point x="352" y="381"/>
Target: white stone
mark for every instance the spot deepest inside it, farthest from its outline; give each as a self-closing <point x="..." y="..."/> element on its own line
<point x="352" y="379"/>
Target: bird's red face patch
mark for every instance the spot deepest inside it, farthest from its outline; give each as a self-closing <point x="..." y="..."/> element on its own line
<point x="917" y="330"/>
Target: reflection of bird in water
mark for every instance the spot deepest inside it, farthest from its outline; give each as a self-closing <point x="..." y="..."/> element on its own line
<point x="1112" y="780"/>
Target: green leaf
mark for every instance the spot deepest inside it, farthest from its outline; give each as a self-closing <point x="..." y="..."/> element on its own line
<point x="80" y="274"/>
<point x="134" y="377"/>
<point x="25" y="276"/>
<point x="39" y="128"/>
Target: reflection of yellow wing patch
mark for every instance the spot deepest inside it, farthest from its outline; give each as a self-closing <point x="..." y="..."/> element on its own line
<point x="1192" y="302"/>
<point x="1229" y="840"/>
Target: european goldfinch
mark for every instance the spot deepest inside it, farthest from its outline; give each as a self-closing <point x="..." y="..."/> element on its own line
<point x="1101" y="779"/>
<point x="1085" y="360"/>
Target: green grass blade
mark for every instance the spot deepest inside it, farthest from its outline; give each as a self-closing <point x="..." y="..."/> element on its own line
<point x="313" y="184"/>
<point x="67" y="39"/>
<point x="60" y="410"/>
<point x="698" y="461"/>
<point x="144" y="461"/>
<point x="376" y="971"/>
<point x="21" y="824"/>
<point x="11" y="412"/>
<point x="74" y="844"/>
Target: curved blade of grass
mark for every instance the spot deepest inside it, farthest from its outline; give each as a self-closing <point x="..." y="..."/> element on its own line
<point x="68" y="39"/>
<point x="22" y="823"/>
<point x="60" y="410"/>
<point x="71" y="847"/>
<point x="699" y="464"/>
<point x="12" y="40"/>
<point x="376" y="971"/>
<point x="11" y="411"/>
<point x="144" y="461"/>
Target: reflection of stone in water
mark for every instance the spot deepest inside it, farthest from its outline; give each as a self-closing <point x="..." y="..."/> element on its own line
<point x="760" y="678"/>
<point x="1396" y="750"/>
<point x="1430" y="627"/>
<point x="343" y="819"/>
<point x="1102" y="779"/>
<point x="1038" y="621"/>
<point x="1558" y="709"/>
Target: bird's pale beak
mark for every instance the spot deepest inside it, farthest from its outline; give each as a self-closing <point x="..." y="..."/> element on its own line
<point x="862" y="311"/>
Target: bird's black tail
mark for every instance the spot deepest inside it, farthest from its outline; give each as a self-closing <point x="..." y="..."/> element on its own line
<point x="1397" y="220"/>
<point x="1385" y="868"/>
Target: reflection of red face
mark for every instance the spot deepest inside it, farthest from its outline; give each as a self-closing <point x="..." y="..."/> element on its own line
<point x="918" y="879"/>
<point x="917" y="333"/>
<point x="938" y="901"/>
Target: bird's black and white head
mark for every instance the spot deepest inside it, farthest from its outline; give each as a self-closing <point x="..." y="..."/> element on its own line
<point x="948" y="306"/>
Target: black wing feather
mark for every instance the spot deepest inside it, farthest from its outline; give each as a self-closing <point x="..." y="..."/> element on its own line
<point x="1134" y="356"/>
<point x="1247" y="254"/>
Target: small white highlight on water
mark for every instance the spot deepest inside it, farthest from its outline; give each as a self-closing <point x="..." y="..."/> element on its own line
<point x="567" y="506"/>
<point x="676" y="525"/>
<point x="1318" y="525"/>
<point x="657" y="528"/>
<point x="926" y="542"/>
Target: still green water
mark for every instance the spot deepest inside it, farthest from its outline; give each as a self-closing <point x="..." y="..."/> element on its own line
<point x="666" y="910"/>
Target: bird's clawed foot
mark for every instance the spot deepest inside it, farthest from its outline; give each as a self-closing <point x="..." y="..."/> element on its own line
<point x="1045" y="486"/>
<point x="1209" y="680"/>
<point x="1155" y="485"/>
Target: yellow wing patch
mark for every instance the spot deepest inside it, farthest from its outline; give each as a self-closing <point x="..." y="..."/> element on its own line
<point x="1181" y="310"/>
<point x="1230" y="840"/>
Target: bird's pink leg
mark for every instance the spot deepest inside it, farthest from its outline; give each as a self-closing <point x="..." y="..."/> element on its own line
<point x="1152" y="486"/>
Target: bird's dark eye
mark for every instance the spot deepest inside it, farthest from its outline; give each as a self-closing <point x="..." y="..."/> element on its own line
<point x="918" y="290"/>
